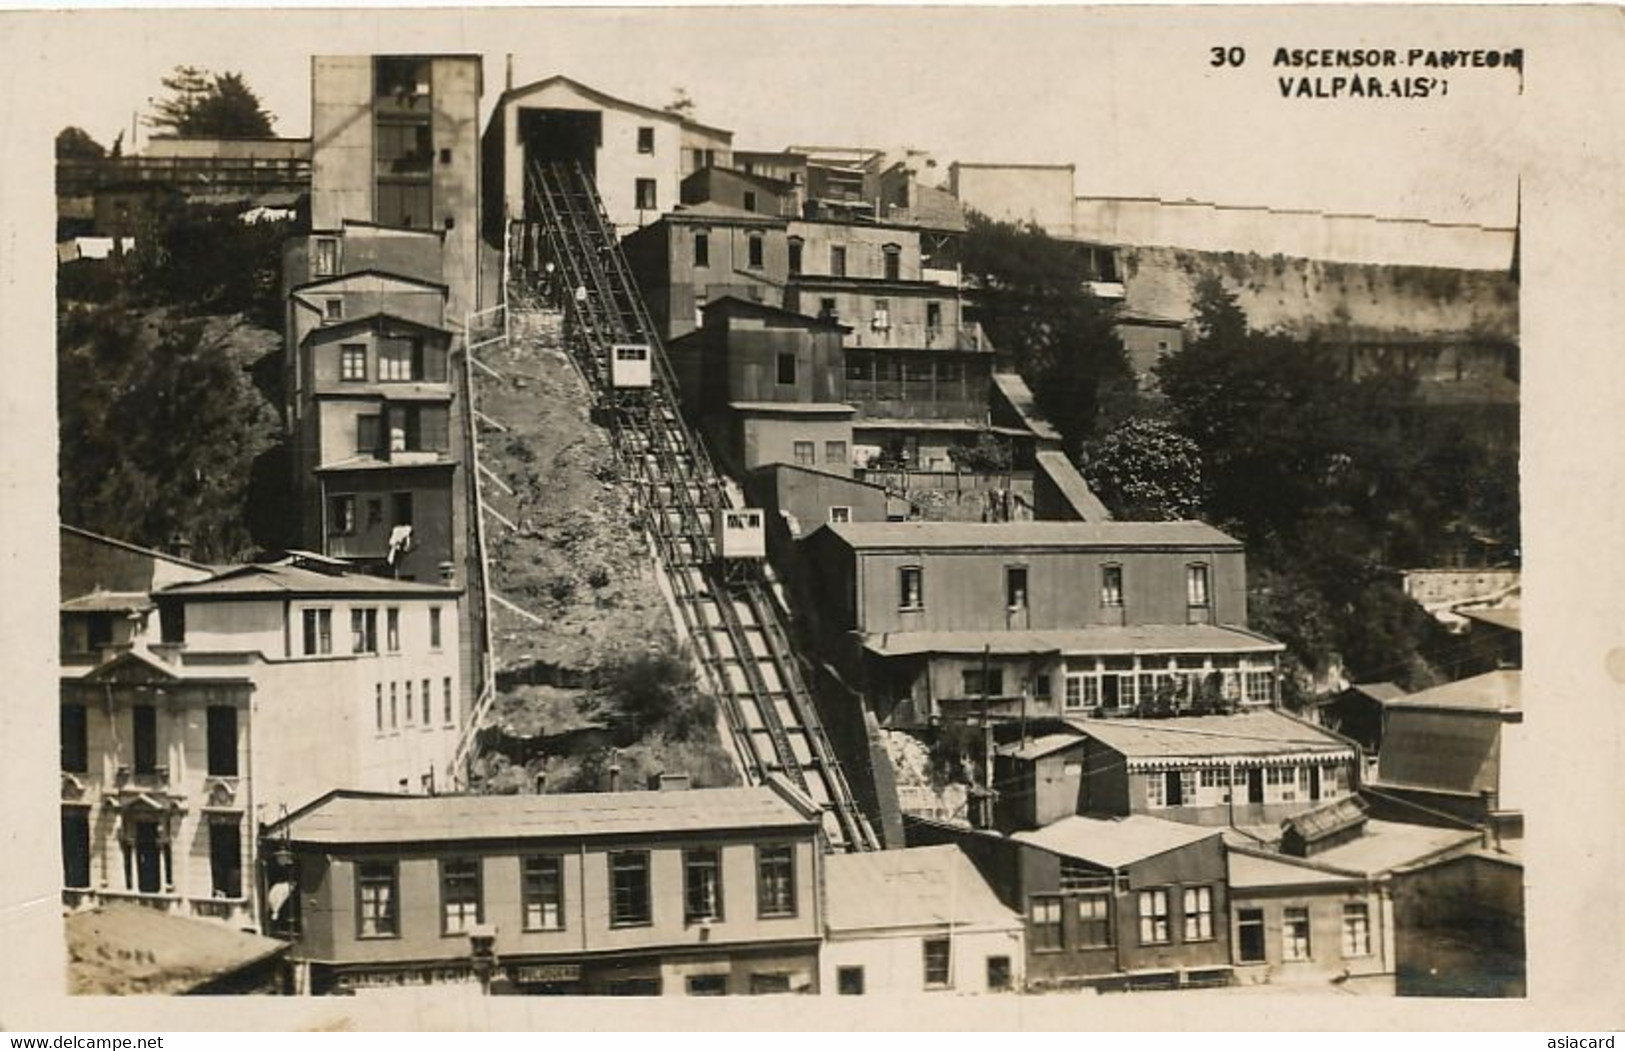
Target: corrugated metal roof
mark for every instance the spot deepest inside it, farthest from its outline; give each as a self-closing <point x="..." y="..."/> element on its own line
<point x="1100" y="639"/>
<point x="916" y="887"/>
<point x="1251" y="733"/>
<point x="1114" y="843"/>
<point x="1008" y="535"/>
<point x="283" y="581"/>
<point x="1053" y="462"/>
<point x="1250" y="871"/>
<point x="1496" y="691"/>
<point x="352" y="819"/>
<point x="1039" y="747"/>
<point x="122" y="948"/>
<point x="1389" y="845"/>
<point x="1327" y="820"/>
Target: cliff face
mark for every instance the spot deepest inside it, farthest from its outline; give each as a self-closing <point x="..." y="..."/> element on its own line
<point x="1338" y="301"/>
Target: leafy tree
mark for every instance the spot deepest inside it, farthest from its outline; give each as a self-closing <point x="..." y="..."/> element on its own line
<point x="1145" y="470"/>
<point x="76" y="144"/>
<point x="986" y="454"/>
<point x="210" y="105"/>
<point x="206" y="260"/>
<point x="681" y="104"/>
<point x="1032" y="302"/>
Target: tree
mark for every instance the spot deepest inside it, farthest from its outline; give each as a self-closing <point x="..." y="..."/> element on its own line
<point x="1032" y="302"/>
<point x="77" y="145"/>
<point x="210" y="105"/>
<point x="681" y="104"/>
<point x="1146" y="471"/>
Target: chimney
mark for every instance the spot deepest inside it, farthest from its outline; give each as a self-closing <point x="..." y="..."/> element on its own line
<point x="508" y="84"/>
<point x="664" y="782"/>
<point x="614" y="770"/>
<point x="540" y="782"/>
<point x="448" y="573"/>
<point x="180" y="547"/>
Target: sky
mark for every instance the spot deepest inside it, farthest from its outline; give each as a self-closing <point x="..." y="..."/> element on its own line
<point x="1128" y="95"/>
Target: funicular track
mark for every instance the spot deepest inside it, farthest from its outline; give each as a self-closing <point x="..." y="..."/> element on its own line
<point x="727" y="608"/>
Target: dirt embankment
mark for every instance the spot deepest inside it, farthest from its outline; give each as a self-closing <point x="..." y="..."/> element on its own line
<point x="588" y="662"/>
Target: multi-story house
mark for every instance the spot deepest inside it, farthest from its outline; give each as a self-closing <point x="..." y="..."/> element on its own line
<point x="1136" y="902"/>
<point x="697" y="892"/>
<point x="702" y="253"/>
<point x="939" y="619"/>
<point x="638" y="156"/>
<point x="251" y="691"/>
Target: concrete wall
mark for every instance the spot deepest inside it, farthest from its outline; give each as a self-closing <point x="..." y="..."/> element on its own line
<point x="436" y="530"/>
<point x="772" y="439"/>
<point x="244" y="149"/>
<point x="1327" y="959"/>
<point x="894" y="963"/>
<point x="89" y="564"/>
<point x="965" y="590"/>
<point x="865" y="246"/>
<point x="341" y="134"/>
<point x="455" y="127"/>
<point x="1019" y="193"/>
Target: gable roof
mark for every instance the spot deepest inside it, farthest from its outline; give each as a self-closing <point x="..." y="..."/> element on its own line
<point x="1496" y="691"/>
<point x="1006" y="535"/>
<point x="1254" y="733"/>
<point x="1250" y="869"/>
<point x="135" y="548"/>
<point x="350" y="325"/>
<point x="100" y="601"/>
<point x="345" y="818"/>
<point x="715" y="211"/>
<point x="910" y="888"/>
<point x="731" y="304"/>
<point x="605" y="99"/>
<point x="366" y="272"/>
<point x="1115" y="842"/>
<point x="1388" y="845"/>
<point x="283" y="581"/>
<point x="1038" y="747"/>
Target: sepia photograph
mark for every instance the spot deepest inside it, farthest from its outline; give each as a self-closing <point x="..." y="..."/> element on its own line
<point x="988" y="506"/>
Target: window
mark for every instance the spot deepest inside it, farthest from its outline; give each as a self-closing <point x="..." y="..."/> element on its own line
<point x="1111" y="586"/>
<point x="1094" y="921"/>
<point x="99" y="631"/>
<point x="806" y="454"/>
<point x="767" y="984"/>
<point x="938" y="963"/>
<point x="702" y="248"/>
<point x="325" y="259"/>
<point x="1198" y="913"/>
<point x="367" y="430"/>
<point x="400" y="360"/>
<point x="977" y="683"/>
<point x="425" y="702"/>
<point x="145" y="719"/>
<point x="835" y="452"/>
<point x="542" y="887"/>
<point x="1250" y="935"/>
<point x="75" y="750"/>
<point x="353" y="362"/>
<point x="708" y="985"/>
<point x="363" y="631"/>
<point x="75" y="847"/>
<point x="392" y="628"/>
<point x="998" y="974"/>
<point x="377" y="890"/>
<point x="827" y="308"/>
<point x="405" y="204"/>
<point x="787" y="370"/>
<point x="434" y="634"/>
<point x="911" y="587"/>
<point x="1046" y="925"/>
<point x="1155" y="783"/>
<point x="882" y="316"/>
<point x="849" y="981"/>
<point x="318" y="632"/>
<point x="226" y="859"/>
<point x="646" y="195"/>
<point x="1196" y="585"/>
<point x="222" y="741"/>
<point x="332" y="310"/>
<point x="1356" y="929"/>
<point x="394" y="706"/>
<point x="933" y="317"/>
<point x="1295" y="933"/>
<point x="460" y="906"/>
<point x="837" y="260"/>
<point x="840" y="515"/>
<point x="445" y="695"/>
<point x="893" y="255"/>
<point x="409" y="705"/>
<point x="795" y="255"/>
<point x="1077" y="875"/>
<point x="1260" y="687"/>
<point x="702" y="884"/>
<point x="646" y="140"/>
<point x="378" y="705"/>
<point x="341" y="515"/>
<point x="1015" y="587"/>
<point x="750" y="200"/>
<point x="1154" y="929"/>
<point x="753" y="246"/>
<point x="1041" y="686"/>
<point x="172" y="622"/>
<point x="401" y="78"/>
<point x="629" y="888"/>
<point x="401" y="507"/>
<point x="776" y="880"/>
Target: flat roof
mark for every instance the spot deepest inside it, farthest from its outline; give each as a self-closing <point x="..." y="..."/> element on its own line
<point x="915" y="887"/>
<point x="1511" y="619"/>
<point x="282" y="581"/>
<point x="1102" y="639"/>
<point x="1387" y="845"/>
<point x="1115" y="842"/>
<point x="1255" y="871"/>
<point x="1250" y="733"/>
<point x="1007" y="535"/>
<point x="718" y="212"/>
<point x="359" y="819"/>
<point x="124" y="948"/>
<point x="1496" y="691"/>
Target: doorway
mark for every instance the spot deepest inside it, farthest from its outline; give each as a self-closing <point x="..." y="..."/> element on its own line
<point x="553" y="135"/>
